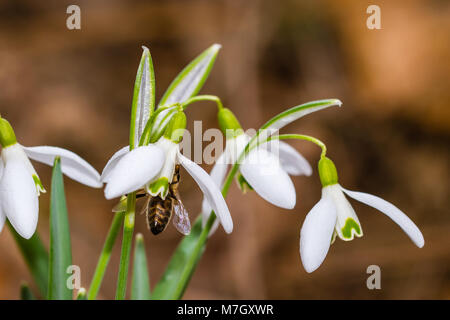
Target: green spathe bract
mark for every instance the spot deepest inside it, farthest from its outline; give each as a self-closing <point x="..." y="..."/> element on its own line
<point x="191" y="79"/>
<point x="327" y="172"/>
<point x="143" y="102"/>
<point x="7" y="135"/>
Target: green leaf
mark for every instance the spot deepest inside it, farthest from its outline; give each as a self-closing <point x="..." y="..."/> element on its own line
<point x="191" y="79"/>
<point x="105" y="255"/>
<point x="36" y="258"/>
<point x="60" y="248"/>
<point x="25" y="293"/>
<point x="284" y="118"/>
<point x="143" y="103"/>
<point x="182" y="265"/>
<point x="140" y="285"/>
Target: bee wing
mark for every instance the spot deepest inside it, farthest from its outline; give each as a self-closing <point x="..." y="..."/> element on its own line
<point x="181" y="217"/>
<point x="121" y="206"/>
<point x="142" y="204"/>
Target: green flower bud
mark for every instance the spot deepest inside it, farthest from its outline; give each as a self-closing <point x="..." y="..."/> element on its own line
<point x="228" y="123"/>
<point x="7" y="135"/>
<point x="175" y="129"/>
<point x="327" y="172"/>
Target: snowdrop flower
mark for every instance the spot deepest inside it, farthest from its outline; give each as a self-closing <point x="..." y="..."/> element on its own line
<point x="266" y="169"/>
<point x="152" y="167"/>
<point x="333" y="215"/>
<point x="20" y="185"/>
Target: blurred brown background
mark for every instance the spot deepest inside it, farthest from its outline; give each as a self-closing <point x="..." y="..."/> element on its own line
<point x="73" y="89"/>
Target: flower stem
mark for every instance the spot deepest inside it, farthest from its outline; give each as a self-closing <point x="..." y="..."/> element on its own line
<point x="105" y="256"/>
<point x="128" y="228"/>
<point x="206" y="97"/>
<point x="302" y="137"/>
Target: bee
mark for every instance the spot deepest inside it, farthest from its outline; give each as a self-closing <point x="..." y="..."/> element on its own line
<point x="160" y="211"/>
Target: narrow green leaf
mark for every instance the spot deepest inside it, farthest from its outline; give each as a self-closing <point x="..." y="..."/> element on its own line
<point x="127" y="239"/>
<point x="173" y="283"/>
<point x="36" y="258"/>
<point x="105" y="255"/>
<point x="25" y="292"/>
<point x="140" y="285"/>
<point x="284" y="118"/>
<point x="60" y="248"/>
<point x="143" y="102"/>
<point x="191" y="79"/>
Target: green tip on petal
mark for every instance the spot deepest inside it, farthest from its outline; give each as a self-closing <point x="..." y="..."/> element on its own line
<point x="350" y="224"/>
<point x="175" y="129"/>
<point x="159" y="187"/>
<point x="7" y="135"/>
<point x="39" y="187"/>
<point x="327" y="172"/>
<point x="228" y="123"/>
<point x="243" y="184"/>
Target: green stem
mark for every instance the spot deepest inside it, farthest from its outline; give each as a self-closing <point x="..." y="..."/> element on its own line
<point x="105" y="256"/>
<point x="205" y="97"/>
<point x="128" y="228"/>
<point x="302" y="137"/>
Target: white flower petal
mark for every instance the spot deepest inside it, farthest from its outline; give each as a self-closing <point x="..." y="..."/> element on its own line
<point x="113" y="162"/>
<point x="2" y="219"/>
<point x="205" y="217"/>
<point x="347" y="224"/>
<point x="211" y="192"/>
<point x="134" y="170"/>
<point x="72" y="165"/>
<point x="1" y="167"/>
<point x="392" y="212"/>
<point x="263" y="172"/>
<point x="18" y="198"/>
<point x="316" y="234"/>
<point x="290" y="159"/>
<point x="217" y="174"/>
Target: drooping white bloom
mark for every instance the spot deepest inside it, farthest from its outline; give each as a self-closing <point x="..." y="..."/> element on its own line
<point x="267" y="167"/>
<point x="152" y="167"/>
<point x="20" y="185"/>
<point x="333" y="215"/>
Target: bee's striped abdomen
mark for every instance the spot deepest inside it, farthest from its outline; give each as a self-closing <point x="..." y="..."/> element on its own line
<point x="159" y="214"/>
